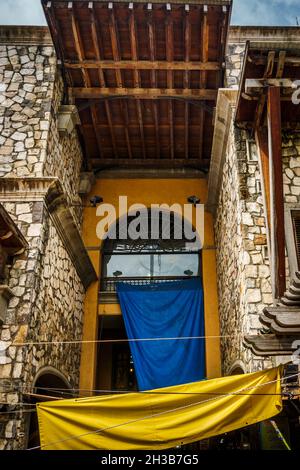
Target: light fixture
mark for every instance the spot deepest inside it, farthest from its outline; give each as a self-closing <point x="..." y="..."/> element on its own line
<point x="188" y="272"/>
<point x="117" y="273"/>
<point x="95" y="200"/>
<point x="194" y="200"/>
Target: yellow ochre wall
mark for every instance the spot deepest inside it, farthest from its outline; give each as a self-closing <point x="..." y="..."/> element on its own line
<point x="147" y="192"/>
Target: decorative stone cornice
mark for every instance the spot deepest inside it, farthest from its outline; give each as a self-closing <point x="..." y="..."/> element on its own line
<point x="271" y="345"/>
<point x="50" y="191"/>
<point x="265" y="35"/>
<point x="30" y="188"/>
<point x="223" y="119"/>
<point x="282" y="320"/>
<point x="25" y="35"/>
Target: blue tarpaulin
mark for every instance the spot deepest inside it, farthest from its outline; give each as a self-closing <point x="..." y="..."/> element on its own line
<point x="165" y="310"/>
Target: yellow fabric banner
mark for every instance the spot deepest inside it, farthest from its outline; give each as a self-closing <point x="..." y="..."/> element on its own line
<point x="163" y="418"/>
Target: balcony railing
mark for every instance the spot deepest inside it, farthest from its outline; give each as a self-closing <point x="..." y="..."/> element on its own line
<point x="108" y="284"/>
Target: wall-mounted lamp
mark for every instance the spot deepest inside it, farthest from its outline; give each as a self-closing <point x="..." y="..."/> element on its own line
<point x="193" y="200"/>
<point x="188" y="272"/>
<point x="94" y="201"/>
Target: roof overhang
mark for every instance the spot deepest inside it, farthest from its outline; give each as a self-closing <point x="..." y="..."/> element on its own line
<point x="268" y="64"/>
<point x="11" y="238"/>
<point x="144" y="77"/>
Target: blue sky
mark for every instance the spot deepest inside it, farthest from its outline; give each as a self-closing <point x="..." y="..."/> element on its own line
<point x="245" y="12"/>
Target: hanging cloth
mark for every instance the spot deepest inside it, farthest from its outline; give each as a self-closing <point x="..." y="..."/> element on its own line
<point x="165" y="310"/>
<point x="160" y="419"/>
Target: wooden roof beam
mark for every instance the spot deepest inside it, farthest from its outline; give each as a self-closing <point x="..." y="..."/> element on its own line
<point x="185" y="65"/>
<point x="281" y="64"/>
<point x="170" y="78"/>
<point x="96" y="44"/>
<point x="186" y="79"/>
<point x="114" y="42"/>
<point x="255" y="86"/>
<point x="124" y="107"/>
<point x="143" y="93"/>
<point x="153" y="76"/>
<point x="203" y="76"/>
<point x="149" y="163"/>
<point x="136" y="75"/>
<point x="86" y="79"/>
<point x="276" y="193"/>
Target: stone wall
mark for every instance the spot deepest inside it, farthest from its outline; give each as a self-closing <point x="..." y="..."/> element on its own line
<point x="242" y="268"/>
<point x="48" y="294"/>
<point x="27" y="75"/>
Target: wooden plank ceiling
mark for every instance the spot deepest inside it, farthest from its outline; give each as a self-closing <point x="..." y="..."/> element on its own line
<point x="144" y="77"/>
<point x="265" y="66"/>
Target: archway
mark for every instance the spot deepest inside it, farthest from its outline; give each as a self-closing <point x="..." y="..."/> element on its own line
<point x="173" y="254"/>
<point x="48" y="383"/>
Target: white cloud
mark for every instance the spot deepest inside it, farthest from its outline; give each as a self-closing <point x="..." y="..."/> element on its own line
<point x="22" y="12"/>
<point x="265" y="12"/>
<point x="245" y="12"/>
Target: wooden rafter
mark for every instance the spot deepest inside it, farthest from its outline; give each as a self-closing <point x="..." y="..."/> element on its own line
<point x="144" y="65"/>
<point x="136" y="74"/>
<point x="96" y="45"/>
<point x="281" y="64"/>
<point x="144" y="93"/>
<point x="149" y="163"/>
<point x="203" y="76"/>
<point x="170" y="81"/>
<point x="186" y="79"/>
<point x="86" y="79"/>
<point x="153" y="77"/>
<point x="276" y="193"/>
<point x="115" y="44"/>
<point x="125" y="115"/>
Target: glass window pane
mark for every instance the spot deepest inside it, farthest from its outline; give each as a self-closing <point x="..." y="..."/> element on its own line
<point x="176" y="265"/>
<point x="126" y="265"/>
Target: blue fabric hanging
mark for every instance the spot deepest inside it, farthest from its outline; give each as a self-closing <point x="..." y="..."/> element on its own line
<point x="165" y="310"/>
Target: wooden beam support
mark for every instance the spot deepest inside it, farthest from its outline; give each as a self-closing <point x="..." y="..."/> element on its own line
<point x="186" y="79"/>
<point x="203" y="75"/>
<point x="124" y="107"/>
<point x="276" y="193"/>
<point x="149" y="163"/>
<point x="115" y="44"/>
<point x="185" y="65"/>
<point x="143" y="93"/>
<point x="153" y="78"/>
<point x="281" y="64"/>
<point x="134" y="47"/>
<point x="86" y="78"/>
<point x="255" y="86"/>
<point x="136" y="75"/>
<point x="170" y="81"/>
<point x="270" y="64"/>
<point x="261" y="139"/>
<point x="96" y="45"/>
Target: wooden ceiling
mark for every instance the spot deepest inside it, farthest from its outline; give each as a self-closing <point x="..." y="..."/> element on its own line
<point x="268" y="65"/>
<point x="144" y="77"/>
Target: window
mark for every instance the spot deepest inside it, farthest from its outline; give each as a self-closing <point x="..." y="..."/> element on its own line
<point x="296" y="230"/>
<point x="164" y="257"/>
<point x="292" y="236"/>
